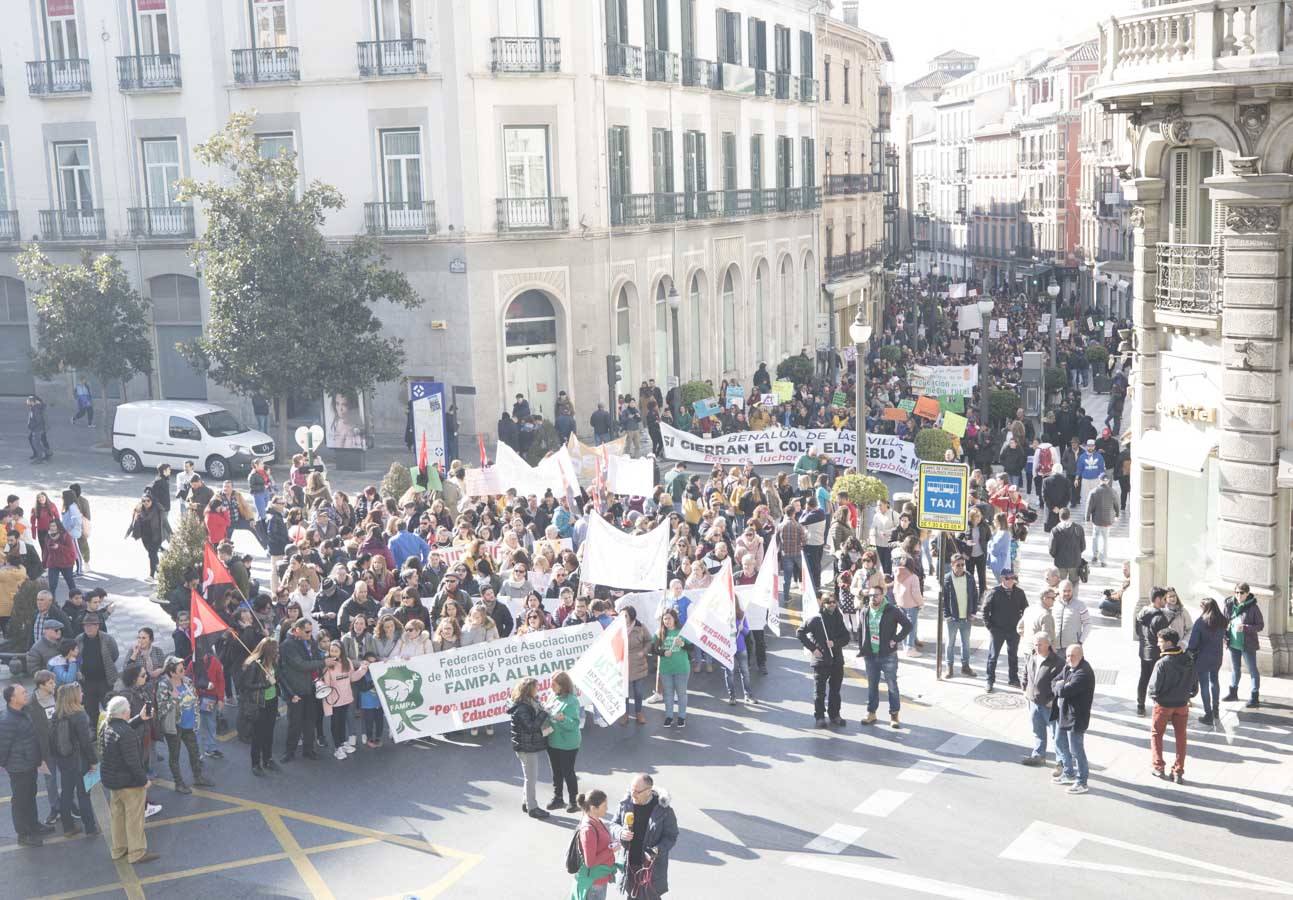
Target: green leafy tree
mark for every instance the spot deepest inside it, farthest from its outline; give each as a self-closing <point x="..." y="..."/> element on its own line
<point x="697" y="390"/>
<point x="182" y="556"/>
<point x="1098" y="356"/>
<point x="1002" y="405"/>
<point x="397" y="480"/>
<point x="288" y="310"/>
<point x="862" y="490"/>
<point x="88" y="318"/>
<point x="932" y="443"/>
<point x="891" y="353"/>
<point x="797" y="368"/>
<point x="1056" y="379"/>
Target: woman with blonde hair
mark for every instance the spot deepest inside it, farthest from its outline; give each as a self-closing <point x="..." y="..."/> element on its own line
<point x="448" y="636"/>
<point x="387" y="636"/>
<point x="530" y="729"/>
<point x="415" y="642"/>
<point x="72" y="752"/>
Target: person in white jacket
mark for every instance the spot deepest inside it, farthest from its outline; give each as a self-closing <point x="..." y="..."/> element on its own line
<point x="1072" y="621"/>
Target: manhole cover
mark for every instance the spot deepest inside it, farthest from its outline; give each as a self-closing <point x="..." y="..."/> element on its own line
<point x="1000" y="701"/>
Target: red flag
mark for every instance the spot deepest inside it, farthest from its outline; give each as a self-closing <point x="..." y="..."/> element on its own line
<point x="213" y="570"/>
<point x="423" y="458"/>
<point x="484" y="463"/>
<point x="202" y="618"/>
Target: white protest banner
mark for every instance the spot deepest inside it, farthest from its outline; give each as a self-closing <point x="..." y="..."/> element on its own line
<point x="1064" y="333"/>
<point x="957" y="291"/>
<point x="711" y="620"/>
<point x="602" y="673"/>
<point x="808" y="600"/>
<point x="554" y="473"/>
<point x="583" y="458"/>
<point x="782" y="446"/>
<point x="1108" y="329"/>
<point x="619" y="560"/>
<point x="629" y="476"/>
<point x="762" y="600"/>
<point x="968" y="317"/>
<point x="471" y="686"/>
<point x="768" y="400"/>
<point x="484" y="483"/>
<point x="944" y="381"/>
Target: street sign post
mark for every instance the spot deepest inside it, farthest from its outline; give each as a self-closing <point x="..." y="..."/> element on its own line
<point x="942" y="505"/>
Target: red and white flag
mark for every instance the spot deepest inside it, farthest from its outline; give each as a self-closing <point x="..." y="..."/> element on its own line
<point x="602" y="673"/>
<point x="213" y="570"/>
<point x="711" y="620"/>
<point x="203" y="620"/>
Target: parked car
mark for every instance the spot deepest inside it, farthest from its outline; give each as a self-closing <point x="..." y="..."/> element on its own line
<point x="147" y="433"/>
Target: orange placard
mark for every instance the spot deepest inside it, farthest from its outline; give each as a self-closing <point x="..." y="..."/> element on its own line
<point x="894" y="414"/>
<point x="927" y="407"/>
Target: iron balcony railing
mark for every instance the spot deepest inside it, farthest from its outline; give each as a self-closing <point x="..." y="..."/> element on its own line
<point x="787" y="86"/>
<point x="699" y="73"/>
<point x="161" y="221"/>
<point x="406" y="56"/>
<point x="857" y="183"/>
<point x="47" y="77"/>
<point x="10" y="231"/>
<point x="532" y="214"/>
<point x="153" y="72"/>
<point x="665" y="208"/>
<point x="807" y="89"/>
<point x="661" y="65"/>
<point x="624" y="59"/>
<point x="1189" y="278"/>
<point x="851" y="263"/>
<point x="266" y="64"/>
<point x="525" y="54"/>
<point x="763" y="83"/>
<point x="648" y="209"/>
<point x="400" y="218"/>
<point x="72" y="225"/>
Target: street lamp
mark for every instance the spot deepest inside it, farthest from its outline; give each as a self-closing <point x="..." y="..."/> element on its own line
<point x="1053" y="291"/>
<point x="985" y="311"/>
<point x="860" y="333"/>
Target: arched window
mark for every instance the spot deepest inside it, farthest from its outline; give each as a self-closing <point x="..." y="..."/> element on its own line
<point x="760" y="312"/>
<point x="624" y="337"/>
<point x="811" y="304"/>
<point x="695" y="302"/>
<point x="787" y="296"/>
<point x="531" y="350"/>
<point x="729" y="321"/>
<point x="662" y="370"/>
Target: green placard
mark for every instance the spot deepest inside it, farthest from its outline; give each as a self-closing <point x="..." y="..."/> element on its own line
<point x="952" y="404"/>
<point x="839" y="400"/>
<point x="907" y="405"/>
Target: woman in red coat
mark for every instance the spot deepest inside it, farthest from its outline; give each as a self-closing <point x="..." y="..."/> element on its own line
<point x="217" y="521"/>
<point x="60" y="557"/>
<point x="42" y="514"/>
<point x="595" y="846"/>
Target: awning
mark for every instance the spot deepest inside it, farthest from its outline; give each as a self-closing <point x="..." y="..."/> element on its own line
<point x="1285" y="476"/>
<point x="1183" y="452"/>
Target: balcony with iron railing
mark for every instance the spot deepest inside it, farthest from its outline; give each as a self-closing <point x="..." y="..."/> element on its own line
<point x="161" y="222"/>
<point x="699" y="73"/>
<point x="266" y="65"/>
<point x="150" y="72"/>
<point x="858" y="183"/>
<point x="378" y="59"/>
<point x="649" y="209"/>
<point x="61" y="225"/>
<point x="844" y="264"/>
<point x="764" y="85"/>
<point x="807" y="89"/>
<point x="400" y="219"/>
<point x="525" y="54"/>
<point x="787" y="86"/>
<point x="58" y="77"/>
<point x="1202" y="42"/>
<point x="532" y="214"/>
<point x="662" y="66"/>
<point x="667" y="208"/>
<point x="624" y="60"/>
<point x="10" y="230"/>
<point x="1189" y="285"/>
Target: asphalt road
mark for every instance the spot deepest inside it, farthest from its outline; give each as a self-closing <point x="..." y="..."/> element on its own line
<point x="766" y="803"/>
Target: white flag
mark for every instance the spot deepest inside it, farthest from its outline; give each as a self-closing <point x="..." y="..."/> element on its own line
<point x="628" y="561"/>
<point x="762" y="600"/>
<point x="602" y="673"/>
<point x="808" y="603"/>
<point x="711" y="620"/>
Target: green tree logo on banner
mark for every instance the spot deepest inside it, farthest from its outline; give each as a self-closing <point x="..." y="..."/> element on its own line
<point x="402" y="688"/>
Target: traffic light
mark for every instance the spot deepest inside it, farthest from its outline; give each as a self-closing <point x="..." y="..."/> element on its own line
<point x="613" y="371"/>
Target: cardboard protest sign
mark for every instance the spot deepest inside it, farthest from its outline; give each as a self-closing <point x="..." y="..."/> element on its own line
<point x="705" y="408"/>
<point x="894" y="414"/>
<point x="907" y="405"/>
<point x="927" y="408"/>
<point x="839" y="399"/>
<point x="954" y="424"/>
<point x="951" y="404"/>
<point x="784" y="390"/>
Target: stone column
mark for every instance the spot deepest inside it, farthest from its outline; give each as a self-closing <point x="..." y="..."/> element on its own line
<point x="1252" y="539"/>
<point x="1146" y="215"/>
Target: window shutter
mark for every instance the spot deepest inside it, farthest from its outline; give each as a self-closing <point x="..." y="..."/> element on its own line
<point x="1218" y="208"/>
<point x="720" y="33"/>
<point x="734" y="28"/>
<point x="648" y="24"/>
<point x="1180" y="196"/>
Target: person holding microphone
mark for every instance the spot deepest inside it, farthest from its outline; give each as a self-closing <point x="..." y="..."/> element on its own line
<point x="647" y="829"/>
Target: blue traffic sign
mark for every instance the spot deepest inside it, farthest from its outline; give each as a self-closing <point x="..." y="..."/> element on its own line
<point x="942" y="491"/>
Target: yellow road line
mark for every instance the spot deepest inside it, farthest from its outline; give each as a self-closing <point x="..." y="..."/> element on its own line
<point x="196" y="817"/>
<point x="309" y="874"/>
<point x="85" y="892"/>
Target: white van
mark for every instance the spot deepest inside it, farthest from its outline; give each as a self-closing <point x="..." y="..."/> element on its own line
<point x="151" y="432"/>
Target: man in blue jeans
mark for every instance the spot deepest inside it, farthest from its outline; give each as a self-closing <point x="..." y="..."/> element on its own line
<point x="1074" y="690"/>
<point x="960" y="603"/>
<point x="1040" y="669"/>
<point x="882" y="630"/>
<point x="1243" y="623"/>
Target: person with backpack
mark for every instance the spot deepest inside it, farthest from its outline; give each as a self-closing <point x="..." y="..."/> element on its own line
<point x="73" y="753"/>
<point x="1043" y="463"/>
<point x="591" y="854"/>
<point x="207" y="673"/>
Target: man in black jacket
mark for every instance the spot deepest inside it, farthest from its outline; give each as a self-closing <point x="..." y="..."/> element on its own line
<point x="1057" y="491"/>
<point x="1040" y="669"/>
<point x="1074" y="689"/>
<point x="1172" y="685"/>
<point x="882" y="629"/>
<point x="1002" y="612"/>
<point x="125" y="774"/>
<point x="300" y="665"/>
<point x="1149" y="622"/>
<point x="825" y="636"/>
<point x="20" y="756"/>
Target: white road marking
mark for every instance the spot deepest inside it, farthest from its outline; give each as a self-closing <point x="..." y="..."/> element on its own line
<point x="923" y="772"/>
<point x="835" y="839"/>
<point x="881" y="803"/>
<point x="959" y="745"/>
<point x="1042" y="842"/>
<point x="896" y="879"/>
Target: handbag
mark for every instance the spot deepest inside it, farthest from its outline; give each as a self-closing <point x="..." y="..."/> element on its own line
<point x="1083" y="570"/>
